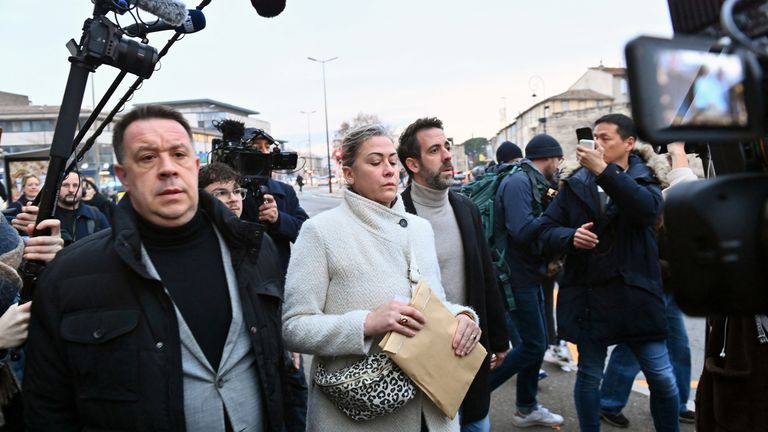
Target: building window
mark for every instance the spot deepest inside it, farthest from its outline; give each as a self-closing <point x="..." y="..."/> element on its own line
<point x="623" y="86"/>
<point x="565" y="106"/>
<point x="27" y="125"/>
<point x="599" y="104"/>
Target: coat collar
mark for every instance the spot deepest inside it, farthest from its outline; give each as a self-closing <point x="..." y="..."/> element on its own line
<point x="380" y="220"/>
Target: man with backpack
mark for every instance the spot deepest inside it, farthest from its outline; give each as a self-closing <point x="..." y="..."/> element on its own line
<point x="463" y="256"/>
<point x="520" y="200"/>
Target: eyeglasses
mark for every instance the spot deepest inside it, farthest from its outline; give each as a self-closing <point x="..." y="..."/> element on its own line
<point x="223" y="193"/>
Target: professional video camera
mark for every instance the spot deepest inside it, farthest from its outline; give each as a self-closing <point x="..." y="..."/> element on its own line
<point x="254" y="166"/>
<point x="707" y="87"/>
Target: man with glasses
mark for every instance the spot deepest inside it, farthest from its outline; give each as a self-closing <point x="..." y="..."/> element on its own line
<point x="520" y="201"/>
<point x="223" y="183"/>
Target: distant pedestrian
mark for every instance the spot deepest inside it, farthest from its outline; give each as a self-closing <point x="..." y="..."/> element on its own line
<point x="300" y="182"/>
<point x="94" y="198"/>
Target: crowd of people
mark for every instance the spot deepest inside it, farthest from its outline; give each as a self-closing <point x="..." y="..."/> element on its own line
<point x="189" y="304"/>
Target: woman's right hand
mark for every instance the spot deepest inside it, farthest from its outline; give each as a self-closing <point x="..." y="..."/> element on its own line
<point x="394" y="316"/>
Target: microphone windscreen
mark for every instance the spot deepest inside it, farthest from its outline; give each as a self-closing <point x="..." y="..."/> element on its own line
<point x="194" y="22"/>
<point x="170" y="11"/>
<point x="268" y="8"/>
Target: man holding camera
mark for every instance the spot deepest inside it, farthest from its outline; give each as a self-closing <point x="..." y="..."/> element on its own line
<point x="280" y="210"/>
<point x="611" y="289"/>
<point x="174" y="324"/>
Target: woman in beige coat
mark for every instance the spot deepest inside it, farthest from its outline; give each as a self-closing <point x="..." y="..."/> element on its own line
<point x="346" y="268"/>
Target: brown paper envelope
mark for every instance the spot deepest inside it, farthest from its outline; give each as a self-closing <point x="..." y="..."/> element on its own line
<point x="428" y="358"/>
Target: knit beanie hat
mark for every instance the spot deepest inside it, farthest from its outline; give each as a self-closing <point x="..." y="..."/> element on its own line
<point x="508" y="151"/>
<point x="543" y="146"/>
<point x="11" y="251"/>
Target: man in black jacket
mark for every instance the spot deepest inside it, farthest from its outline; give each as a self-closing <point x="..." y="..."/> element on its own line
<point x="465" y="261"/>
<point x="174" y="324"/>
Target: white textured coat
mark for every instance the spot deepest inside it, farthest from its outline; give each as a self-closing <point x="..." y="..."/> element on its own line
<point x="345" y="263"/>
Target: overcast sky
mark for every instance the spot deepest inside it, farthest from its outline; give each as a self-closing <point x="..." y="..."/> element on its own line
<point x="399" y="59"/>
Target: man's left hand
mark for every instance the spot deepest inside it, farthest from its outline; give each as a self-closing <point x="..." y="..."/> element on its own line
<point x="467" y="335"/>
<point x="498" y="358"/>
<point x="591" y="159"/>
<point x="268" y="211"/>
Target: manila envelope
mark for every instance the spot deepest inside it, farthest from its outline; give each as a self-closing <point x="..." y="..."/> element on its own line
<point x="429" y="359"/>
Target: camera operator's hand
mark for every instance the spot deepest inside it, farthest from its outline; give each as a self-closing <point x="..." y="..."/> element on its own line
<point x="14" y="324"/>
<point x="268" y="211"/>
<point x="591" y="159"/>
<point x="584" y="238"/>
<point x="27" y="216"/>
<point x="44" y="248"/>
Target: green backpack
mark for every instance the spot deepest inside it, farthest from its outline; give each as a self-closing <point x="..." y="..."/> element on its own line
<point x="482" y="192"/>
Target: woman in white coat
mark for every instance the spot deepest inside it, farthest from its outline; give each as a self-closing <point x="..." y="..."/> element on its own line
<point x="346" y="268"/>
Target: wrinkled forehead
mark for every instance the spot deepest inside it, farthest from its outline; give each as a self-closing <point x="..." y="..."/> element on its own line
<point x="429" y="137"/>
<point x="156" y="133"/>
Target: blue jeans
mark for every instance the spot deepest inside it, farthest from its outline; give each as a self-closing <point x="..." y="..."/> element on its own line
<point x="528" y="334"/>
<point x="623" y="367"/>
<point x="482" y="425"/>
<point x="654" y="362"/>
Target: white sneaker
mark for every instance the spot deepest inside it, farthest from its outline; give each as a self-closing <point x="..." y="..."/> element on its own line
<point x="559" y="355"/>
<point x="538" y="417"/>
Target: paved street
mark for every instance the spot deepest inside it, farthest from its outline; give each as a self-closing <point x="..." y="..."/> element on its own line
<point x="556" y="391"/>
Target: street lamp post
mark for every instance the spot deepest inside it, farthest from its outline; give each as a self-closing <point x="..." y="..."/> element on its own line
<point x="534" y="88"/>
<point x="309" y="142"/>
<point x="327" y="134"/>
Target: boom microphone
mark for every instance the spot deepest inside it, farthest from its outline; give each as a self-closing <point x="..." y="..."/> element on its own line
<point x="268" y="8"/>
<point x="195" y="22"/>
<point x="170" y="11"/>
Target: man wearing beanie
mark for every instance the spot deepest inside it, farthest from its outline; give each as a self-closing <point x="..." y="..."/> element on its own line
<point x="508" y="152"/>
<point x="520" y="201"/>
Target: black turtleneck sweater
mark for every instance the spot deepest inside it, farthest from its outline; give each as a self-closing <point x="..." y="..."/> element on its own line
<point x="188" y="260"/>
